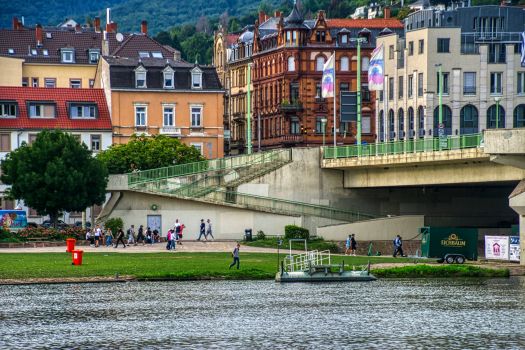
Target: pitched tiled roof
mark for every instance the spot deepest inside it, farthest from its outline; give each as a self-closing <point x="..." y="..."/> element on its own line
<point x="364" y="23"/>
<point x="60" y="96"/>
<point x="134" y="43"/>
<point x="24" y="40"/>
<point x="231" y="39"/>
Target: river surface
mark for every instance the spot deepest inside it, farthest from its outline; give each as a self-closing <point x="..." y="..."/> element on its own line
<point x="461" y="313"/>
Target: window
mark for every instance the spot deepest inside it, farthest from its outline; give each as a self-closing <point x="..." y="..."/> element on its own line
<point x="140" y="116"/>
<point x="344" y="63"/>
<point x="34" y="82"/>
<point x="365" y="62"/>
<point x="319" y="124"/>
<point x="344" y="39"/>
<point x="322" y="36"/>
<point x="140" y="79"/>
<point x="446" y="118"/>
<point x="169" y="116"/>
<point x="291" y="64"/>
<point x="156" y="54"/>
<point x="468" y="120"/>
<point x="521" y="83"/>
<point x="50" y="82"/>
<point x="519" y="116"/>
<point x="5" y="142"/>
<point x="196" y="78"/>
<point x="495" y="83"/>
<point x="95" y="143"/>
<point x="320" y="64"/>
<point x="25" y="82"/>
<point x="294" y="36"/>
<point x="421" y="48"/>
<point x="288" y="36"/>
<point x="469" y="83"/>
<point x="91" y="83"/>
<point x="344" y="87"/>
<point x="410" y="48"/>
<point x="294" y="125"/>
<point x="411" y="132"/>
<point x="420" y="85"/>
<point x="68" y="56"/>
<point x="365" y="93"/>
<point x="31" y="138"/>
<point x="445" y="77"/>
<point x="443" y="45"/>
<point x="197" y="145"/>
<point x="410" y="85"/>
<point x="401" y="123"/>
<point x="390" y="89"/>
<point x="196" y="116"/>
<point x="49" y="35"/>
<point x="318" y="90"/>
<point x="94" y="56"/>
<point x="493" y="117"/>
<point x="76" y="83"/>
<point x="8" y="109"/>
<point x="294" y="91"/>
<point x="391" y="52"/>
<point x="45" y="52"/>
<point x="400" y="87"/>
<point x="34" y="52"/>
<point x="77" y="110"/>
<point x="168" y="79"/>
<point x="143" y="54"/>
<point x="42" y="110"/>
<point x="365" y="124"/>
<point x="11" y="51"/>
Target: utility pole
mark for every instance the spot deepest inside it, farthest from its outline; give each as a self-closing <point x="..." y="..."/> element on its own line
<point x="441" y="132"/>
<point x="249" y="116"/>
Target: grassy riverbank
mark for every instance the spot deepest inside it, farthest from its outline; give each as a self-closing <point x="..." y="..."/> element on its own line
<point x="313" y="244"/>
<point x="422" y="270"/>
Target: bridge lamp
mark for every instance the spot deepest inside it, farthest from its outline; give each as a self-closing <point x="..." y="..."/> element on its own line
<point x="497" y="100"/>
<point x="324" y="120"/>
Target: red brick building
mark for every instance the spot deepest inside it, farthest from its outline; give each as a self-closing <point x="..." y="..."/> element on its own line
<point x="289" y="56"/>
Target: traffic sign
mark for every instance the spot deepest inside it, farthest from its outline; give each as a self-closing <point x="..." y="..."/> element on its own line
<point x="441" y="126"/>
<point x="441" y="132"/>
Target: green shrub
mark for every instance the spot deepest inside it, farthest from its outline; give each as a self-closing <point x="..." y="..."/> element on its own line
<point x="112" y="224"/>
<point x="10" y="240"/>
<point x="296" y="232"/>
<point x="5" y="234"/>
<point x="260" y="235"/>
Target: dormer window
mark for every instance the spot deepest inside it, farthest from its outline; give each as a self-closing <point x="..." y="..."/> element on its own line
<point x="68" y="55"/>
<point x="344" y="39"/>
<point x="320" y="36"/>
<point x="34" y="52"/>
<point x="94" y="56"/>
<point x="42" y="109"/>
<point x="143" y="54"/>
<point x="8" y="109"/>
<point x="196" y="78"/>
<point x="11" y="51"/>
<point x="49" y="35"/>
<point x="140" y="77"/>
<point x="82" y="110"/>
<point x="169" y="75"/>
<point x="157" y="54"/>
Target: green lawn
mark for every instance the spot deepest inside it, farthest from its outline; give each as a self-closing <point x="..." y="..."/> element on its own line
<point x="313" y="244"/>
<point x="153" y="265"/>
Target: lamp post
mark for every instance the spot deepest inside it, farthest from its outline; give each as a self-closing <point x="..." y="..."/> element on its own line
<point x="497" y="100"/>
<point x="440" y="84"/>
<point x="249" y="116"/>
<point x="324" y="120"/>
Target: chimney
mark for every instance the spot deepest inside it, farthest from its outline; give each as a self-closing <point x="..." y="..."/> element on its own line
<point x="39" y="39"/>
<point x="108" y="16"/>
<point x="96" y="22"/>
<point x="114" y="27"/>
<point x="261" y="17"/>
<point x="387" y="12"/>
<point x="176" y="55"/>
<point x="15" y="23"/>
<point x="276" y="14"/>
<point x="78" y="28"/>
<point x="144" y="27"/>
<point x="267" y="17"/>
<point x="105" y="45"/>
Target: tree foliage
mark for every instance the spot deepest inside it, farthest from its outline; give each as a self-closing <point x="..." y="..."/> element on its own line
<point x="55" y="174"/>
<point x="143" y="153"/>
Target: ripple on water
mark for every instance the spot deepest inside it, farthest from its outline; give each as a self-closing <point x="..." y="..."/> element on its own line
<point x="404" y="314"/>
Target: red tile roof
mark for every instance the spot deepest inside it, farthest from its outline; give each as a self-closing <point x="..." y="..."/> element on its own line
<point x="364" y="23"/>
<point x="140" y="42"/>
<point x="231" y="39"/>
<point x="61" y="96"/>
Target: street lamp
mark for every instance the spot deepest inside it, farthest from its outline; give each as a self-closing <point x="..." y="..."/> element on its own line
<point x="324" y="120"/>
<point x="440" y="84"/>
<point x="497" y="100"/>
<point x="249" y="116"/>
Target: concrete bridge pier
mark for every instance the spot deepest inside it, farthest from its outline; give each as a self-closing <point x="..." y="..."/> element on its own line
<point x="517" y="203"/>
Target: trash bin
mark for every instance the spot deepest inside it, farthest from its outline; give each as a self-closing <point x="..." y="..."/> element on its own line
<point x="77" y="257"/>
<point x="70" y="245"/>
<point x="248" y="234"/>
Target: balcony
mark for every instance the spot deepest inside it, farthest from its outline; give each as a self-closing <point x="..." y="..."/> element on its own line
<point x="469" y="90"/>
<point x="320" y="99"/>
<point x="239" y="117"/>
<point x="291" y="139"/>
<point x="170" y="130"/>
<point x="287" y="106"/>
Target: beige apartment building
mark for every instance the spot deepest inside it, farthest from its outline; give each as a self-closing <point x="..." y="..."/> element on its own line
<point x="478" y="50"/>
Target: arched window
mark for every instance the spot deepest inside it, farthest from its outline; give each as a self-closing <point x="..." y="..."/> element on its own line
<point x="391" y="125"/>
<point x="446" y="119"/>
<point x="320" y="63"/>
<point x="381" y="127"/>
<point x="291" y="64"/>
<point x="365" y="61"/>
<point x="411" y="131"/>
<point x="519" y="117"/>
<point x="492" y="117"/>
<point x="344" y="64"/>
<point x="421" y="122"/>
<point x="468" y="120"/>
<point x="401" y="119"/>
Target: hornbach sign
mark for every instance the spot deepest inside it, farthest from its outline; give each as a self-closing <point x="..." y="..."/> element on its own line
<point x="453" y="241"/>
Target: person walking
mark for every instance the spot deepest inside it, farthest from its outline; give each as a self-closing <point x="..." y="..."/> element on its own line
<point x="348" y="244"/>
<point x="141" y="235"/>
<point x="168" y="240"/>
<point x="397" y="242"/>
<point x="353" y="244"/>
<point x="235" y="255"/>
<point x="120" y="237"/>
<point x="208" y="231"/>
<point x="131" y="235"/>
<point x="182" y="227"/>
<point x="202" y="232"/>
<point x="173" y="240"/>
<point x="109" y="237"/>
<point x="98" y="235"/>
<point x="176" y="227"/>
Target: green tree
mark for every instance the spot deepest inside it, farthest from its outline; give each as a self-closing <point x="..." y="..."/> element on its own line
<point x="143" y="153"/>
<point x="234" y="26"/>
<point x="196" y="47"/>
<point x="55" y="174"/>
<point x="163" y="38"/>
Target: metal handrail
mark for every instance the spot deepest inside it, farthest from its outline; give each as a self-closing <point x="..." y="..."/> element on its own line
<point x="407" y="146"/>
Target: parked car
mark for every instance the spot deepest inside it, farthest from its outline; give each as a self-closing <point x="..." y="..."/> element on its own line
<point x="78" y="224"/>
<point x="32" y="224"/>
<point x="49" y="224"/>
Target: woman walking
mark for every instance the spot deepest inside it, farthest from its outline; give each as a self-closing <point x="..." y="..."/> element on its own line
<point x="109" y="236"/>
<point x="182" y="227"/>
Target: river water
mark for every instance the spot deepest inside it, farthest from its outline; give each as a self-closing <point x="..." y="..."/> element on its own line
<point x="461" y="313"/>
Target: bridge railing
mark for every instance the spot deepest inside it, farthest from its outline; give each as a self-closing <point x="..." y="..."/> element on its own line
<point x="406" y="146"/>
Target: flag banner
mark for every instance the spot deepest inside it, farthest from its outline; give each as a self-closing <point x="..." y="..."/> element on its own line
<point x="523" y="49"/>
<point x="328" y="78"/>
<point x="375" y="70"/>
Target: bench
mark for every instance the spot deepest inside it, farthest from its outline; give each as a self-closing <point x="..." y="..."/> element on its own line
<point x="37" y="239"/>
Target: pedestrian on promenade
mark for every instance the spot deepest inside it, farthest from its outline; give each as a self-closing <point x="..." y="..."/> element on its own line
<point x="235" y="255"/>
<point x="98" y="235"/>
<point x="348" y="244"/>
<point x="148" y="236"/>
<point x="202" y="232"/>
<point x="109" y="236"/>
<point x="89" y="238"/>
<point x="208" y="231"/>
<point x="141" y="235"/>
<point x="168" y="240"/>
<point x="353" y="244"/>
<point x="131" y="235"/>
<point x="155" y="235"/>
<point x="173" y="240"/>
<point x="397" y="245"/>
<point x="176" y="227"/>
<point x="182" y="227"/>
<point x="120" y="237"/>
